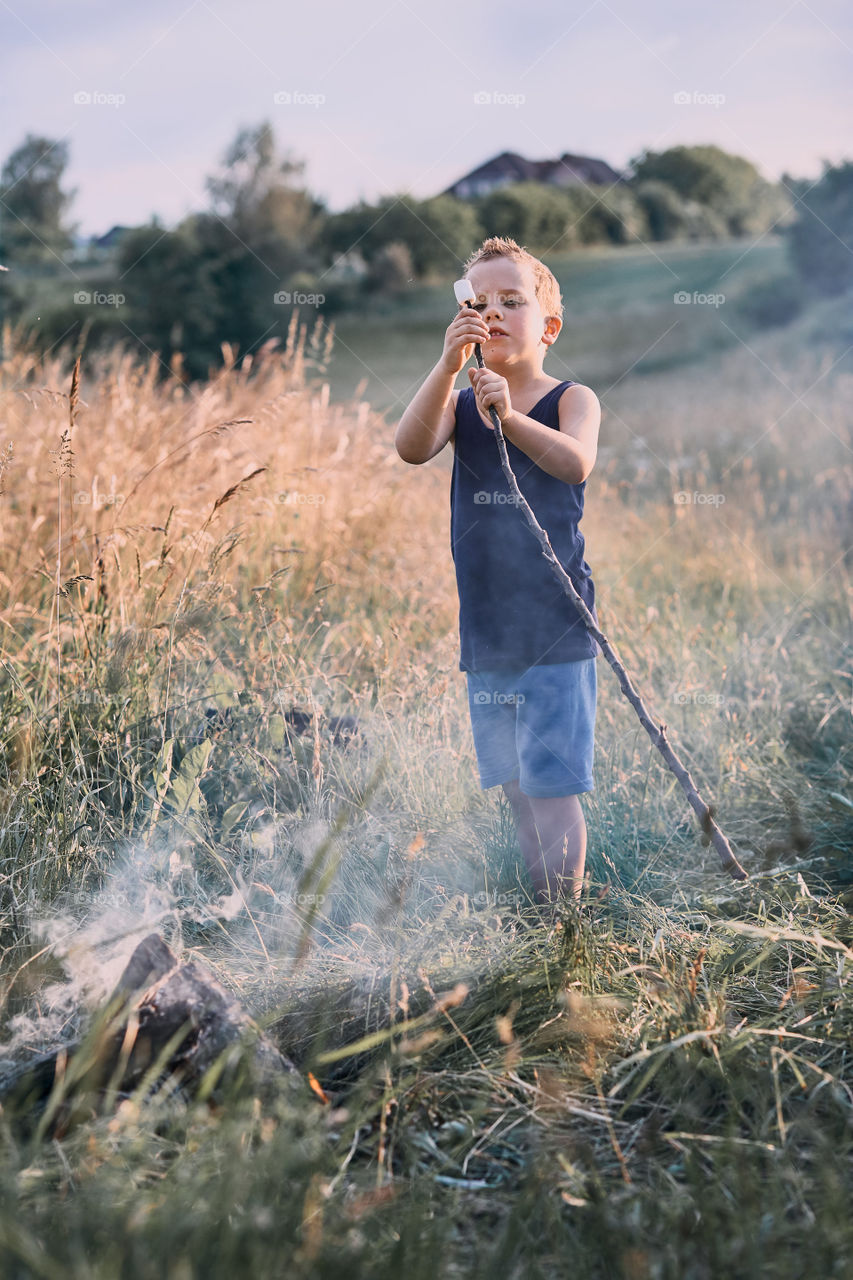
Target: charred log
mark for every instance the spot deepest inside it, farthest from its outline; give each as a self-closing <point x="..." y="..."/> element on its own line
<point x="164" y="1021"/>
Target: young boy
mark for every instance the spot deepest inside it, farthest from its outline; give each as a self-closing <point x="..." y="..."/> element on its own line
<point x="529" y="659"/>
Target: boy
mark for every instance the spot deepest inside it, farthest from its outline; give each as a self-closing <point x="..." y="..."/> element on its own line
<point x="529" y="659"/>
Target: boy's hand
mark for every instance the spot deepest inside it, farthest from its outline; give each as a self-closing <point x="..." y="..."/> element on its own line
<point x="490" y="389"/>
<point x="464" y="330"/>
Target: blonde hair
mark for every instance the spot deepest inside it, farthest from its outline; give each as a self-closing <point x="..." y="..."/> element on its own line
<point x="545" y="284"/>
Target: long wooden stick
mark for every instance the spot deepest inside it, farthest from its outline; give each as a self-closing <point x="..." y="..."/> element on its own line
<point x="657" y="734"/>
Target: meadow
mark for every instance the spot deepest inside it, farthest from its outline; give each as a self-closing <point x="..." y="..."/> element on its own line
<point x="658" y="1087"/>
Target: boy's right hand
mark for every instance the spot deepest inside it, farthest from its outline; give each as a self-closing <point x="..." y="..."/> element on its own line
<point x="464" y="330"/>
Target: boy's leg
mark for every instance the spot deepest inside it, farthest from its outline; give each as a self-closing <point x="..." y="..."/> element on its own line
<point x="555" y="739"/>
<point x="552" y="837"/>
<point x="562" y="836"/>
<point x="528" y="837"/>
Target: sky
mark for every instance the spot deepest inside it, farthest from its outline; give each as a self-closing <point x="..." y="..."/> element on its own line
<point x="384" y="96"/>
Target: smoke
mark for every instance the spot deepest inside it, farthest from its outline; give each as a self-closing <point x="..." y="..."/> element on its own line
<point x="301" y="882"/>
<point x="92" y="936"/>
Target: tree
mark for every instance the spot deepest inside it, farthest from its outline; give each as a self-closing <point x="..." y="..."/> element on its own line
<point x="32" y="203"/>
<point x="665" y="210"/>
<point x="616" y="217"/>
<point x="259" y="238"/>
<point x="531" y="213"/>
<point x="820" y="242"/>
<point x="391" y="269"/>
<point x="259" y="196"/>
<point x="174" y="302"/>
<point x="439" y="233"/>
<point x="728" y="185"/>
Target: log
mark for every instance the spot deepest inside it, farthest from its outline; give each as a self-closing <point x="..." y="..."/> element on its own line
<point x="165" y="1018"/>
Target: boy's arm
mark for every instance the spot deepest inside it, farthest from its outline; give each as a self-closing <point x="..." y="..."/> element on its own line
<point x="429" y="421"/>
<point x="569" y="455"/>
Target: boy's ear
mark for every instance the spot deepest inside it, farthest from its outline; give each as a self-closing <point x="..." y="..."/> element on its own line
<point x="553" y="325"/>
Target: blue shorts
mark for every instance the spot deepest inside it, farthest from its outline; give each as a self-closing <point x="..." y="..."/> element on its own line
<point x="536" y="725"/>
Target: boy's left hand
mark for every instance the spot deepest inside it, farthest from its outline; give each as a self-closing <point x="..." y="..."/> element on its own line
<point x="490" y="389"/>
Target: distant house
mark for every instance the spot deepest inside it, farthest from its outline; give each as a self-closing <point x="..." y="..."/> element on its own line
<point x="95" y="248"/>
<point x="110" y="239"/>
<point x="508" y="167"/>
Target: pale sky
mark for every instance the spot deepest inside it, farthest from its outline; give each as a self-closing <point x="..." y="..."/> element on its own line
<point x="385" y="96"/>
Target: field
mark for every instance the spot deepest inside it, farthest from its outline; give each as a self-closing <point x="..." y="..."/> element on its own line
<point x="660" y="1087"/>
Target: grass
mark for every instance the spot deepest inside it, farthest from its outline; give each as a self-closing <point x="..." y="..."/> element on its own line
<point x="661" y="1089"/>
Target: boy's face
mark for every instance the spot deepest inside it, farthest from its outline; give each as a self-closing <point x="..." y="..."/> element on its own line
<point x="519" y="330"/>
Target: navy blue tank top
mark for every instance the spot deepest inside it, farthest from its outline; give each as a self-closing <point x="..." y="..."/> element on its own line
<point x="513" y="613"/>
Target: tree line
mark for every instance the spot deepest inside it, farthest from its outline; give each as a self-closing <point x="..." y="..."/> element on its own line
<point x="234" y="271"/>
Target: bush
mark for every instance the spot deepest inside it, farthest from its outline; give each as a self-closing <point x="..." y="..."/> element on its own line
<point x="438" y="233"/>
<point x="728" y="185"/>
<point x="391" y="270"/>
<point x="820" y="240"/>
<point x="666" y="213"/>
<point x="615" y="216"/>
<point x="532" y="213"/>
<point x="773" y="302"/>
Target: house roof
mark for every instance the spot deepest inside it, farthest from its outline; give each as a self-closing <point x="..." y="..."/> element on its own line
<point x="511" y="167"/>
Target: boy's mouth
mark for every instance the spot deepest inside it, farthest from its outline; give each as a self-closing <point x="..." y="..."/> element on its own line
<point x="497" y="333"/>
